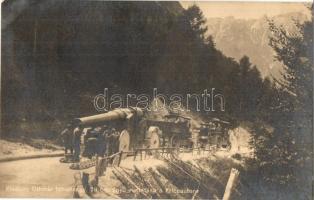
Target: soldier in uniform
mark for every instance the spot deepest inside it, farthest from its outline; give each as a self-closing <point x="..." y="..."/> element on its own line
<point x="102" y="141"/>
<point x="112" y="141"/>
<point x="77" y="143"/>
<point x="92" y="140"/>
<point x="115" y="141"/>
<point x="107" y="135"/>
<point x="67" y="138"/>
<point x="108" y="139"/>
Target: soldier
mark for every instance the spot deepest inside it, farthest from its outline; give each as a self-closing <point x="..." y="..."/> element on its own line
<point x="105" y="138"/>
<point x="90" y="147"/>
<point x="77" y="143"/>
<point x="88" y="134"/>
<point x="112" y="141"/>
<point x="96" y="144"/>
<point x="102" y="141"/>
<point x="67" y="138"/>
<point x="115" y="141"/>
<point x="109" y="141"/>
<point x="108" y="137"/>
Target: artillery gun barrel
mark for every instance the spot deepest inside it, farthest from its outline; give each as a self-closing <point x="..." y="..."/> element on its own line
<point x="116" y="114"/>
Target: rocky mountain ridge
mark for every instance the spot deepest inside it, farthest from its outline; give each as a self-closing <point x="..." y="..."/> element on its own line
<point x="239" y="37"/>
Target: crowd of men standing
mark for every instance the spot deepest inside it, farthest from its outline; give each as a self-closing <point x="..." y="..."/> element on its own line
<point x="100" y="140"/>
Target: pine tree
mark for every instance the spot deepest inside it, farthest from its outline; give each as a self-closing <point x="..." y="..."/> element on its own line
<point x="197" y="21"/>
<point x="285" y="155"/>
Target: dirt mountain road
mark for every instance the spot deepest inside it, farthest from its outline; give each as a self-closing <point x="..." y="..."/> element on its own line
<point x="45" y="177"/>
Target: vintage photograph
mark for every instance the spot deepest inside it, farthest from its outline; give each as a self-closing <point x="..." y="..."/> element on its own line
<point x="156" y="99"/>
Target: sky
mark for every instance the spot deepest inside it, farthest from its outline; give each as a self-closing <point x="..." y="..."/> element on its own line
<point x="246" y="10"/>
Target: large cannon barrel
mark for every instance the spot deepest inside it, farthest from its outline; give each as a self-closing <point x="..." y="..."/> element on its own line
<point x="116" y="114"/>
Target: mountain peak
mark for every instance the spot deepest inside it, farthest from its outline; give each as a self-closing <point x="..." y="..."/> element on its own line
<point x="252" y="38"/>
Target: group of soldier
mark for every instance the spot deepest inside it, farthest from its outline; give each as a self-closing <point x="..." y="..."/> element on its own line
<point x="100" y="140"/>
<point x="71" y="137"/>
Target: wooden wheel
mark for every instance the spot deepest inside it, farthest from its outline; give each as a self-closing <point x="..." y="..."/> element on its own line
<point x="175" y="141"/>
<point x="153" y="137"/>
<point x="124" y="142"/>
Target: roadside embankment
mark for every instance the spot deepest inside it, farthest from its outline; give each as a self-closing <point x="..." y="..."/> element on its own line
<point x="11" y="150"/>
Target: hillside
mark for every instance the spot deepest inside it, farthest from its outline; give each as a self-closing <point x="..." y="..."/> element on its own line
<point x="58" y="55"/>
<point x="252" y="39"/>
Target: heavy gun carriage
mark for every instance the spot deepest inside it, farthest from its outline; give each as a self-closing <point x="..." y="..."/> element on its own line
<point x="135" y="131"/>
<point x="174" y="131"/>
<point x="125" y="121"/>
<point x="214" y="132"/>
